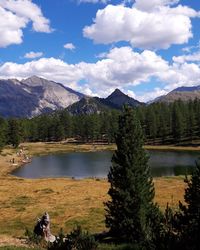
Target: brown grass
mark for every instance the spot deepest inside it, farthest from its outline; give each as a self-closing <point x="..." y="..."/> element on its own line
<point x="69" y="202"/>
<point x="172" y="148"/>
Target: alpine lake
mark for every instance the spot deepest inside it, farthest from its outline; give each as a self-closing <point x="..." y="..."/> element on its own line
<point x="80" y="165"/>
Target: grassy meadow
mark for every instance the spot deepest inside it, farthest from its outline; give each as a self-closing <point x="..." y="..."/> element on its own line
<point x="69" y="202"/>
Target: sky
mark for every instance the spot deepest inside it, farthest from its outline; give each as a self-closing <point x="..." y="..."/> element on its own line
<point x="145" y="48"/>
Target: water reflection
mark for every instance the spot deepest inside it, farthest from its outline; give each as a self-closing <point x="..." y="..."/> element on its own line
<point x="96" y="164"/>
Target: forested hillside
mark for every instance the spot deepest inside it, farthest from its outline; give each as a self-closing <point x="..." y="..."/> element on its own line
<point x="175" y="123"/>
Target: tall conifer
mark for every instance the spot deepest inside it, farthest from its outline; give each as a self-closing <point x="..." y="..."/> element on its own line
<point x="131" y="213"/>
<point x="189" y="215"/>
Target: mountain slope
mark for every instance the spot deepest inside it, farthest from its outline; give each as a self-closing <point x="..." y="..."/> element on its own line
<point x="117" y="99"/>
<point x="88" y="105"/>
<point x="33" y="96"/>
<point x="182" y="93"/>
<point x="91" y="105"/>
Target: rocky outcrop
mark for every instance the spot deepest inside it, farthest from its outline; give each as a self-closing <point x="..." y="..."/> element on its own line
<point x="34" y="96"/>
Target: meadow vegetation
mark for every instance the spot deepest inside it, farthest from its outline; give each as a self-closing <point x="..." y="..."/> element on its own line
<point x="69" y="202"/>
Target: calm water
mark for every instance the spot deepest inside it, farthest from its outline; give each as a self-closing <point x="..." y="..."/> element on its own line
<point x="96" y="164"/>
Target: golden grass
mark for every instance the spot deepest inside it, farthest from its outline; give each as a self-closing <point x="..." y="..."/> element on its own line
<point x="69" y="202"/>
<point x="172" y="148"/>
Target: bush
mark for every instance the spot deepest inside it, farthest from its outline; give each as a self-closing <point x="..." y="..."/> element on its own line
<point x="77" y="239"/>
<point x="120" y="247"/>
<point x="33" y="239"/>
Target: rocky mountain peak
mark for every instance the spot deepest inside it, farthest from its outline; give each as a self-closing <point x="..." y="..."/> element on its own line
<point x="116" y="93"/>
<point x="35" y="81"/>
<point x="118" y="99"/>
<point x="34" y="96"/>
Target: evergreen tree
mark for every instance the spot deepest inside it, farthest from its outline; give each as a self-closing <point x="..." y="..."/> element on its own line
<point x="177" y="123"/>
<point x="66" y="123"/>
<point x="131" y="213"/>
<point x="13" y="132"/>
<point x="151" y="123"/>
<point x="3" y="127"/>
<point x="189" y="215"/>
<point x="190" y="122"/>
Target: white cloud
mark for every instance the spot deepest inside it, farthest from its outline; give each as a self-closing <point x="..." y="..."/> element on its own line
<point x="150" y="5"/>
<point x="195" y="57"/>
<point x="49" y="68"/>
<point x="151" y="95"/>
<point x="102" y="55"/>
<point x="153" y="29"/>
<point x="69" y="46"/>
<point x="15" y="16"/>
<point x="31" y="55"/>
<point x="121" y="68"/>
<point x="188" y="49"/>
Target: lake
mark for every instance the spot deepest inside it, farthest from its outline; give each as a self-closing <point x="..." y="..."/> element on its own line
<point x="96" y="164"/>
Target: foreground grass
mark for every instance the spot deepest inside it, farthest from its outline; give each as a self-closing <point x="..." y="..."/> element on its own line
<point x="172" y="148"/>
<point x="100" y="247"/>
<point x="17" y="248"/>
<point x="69" y="202"/>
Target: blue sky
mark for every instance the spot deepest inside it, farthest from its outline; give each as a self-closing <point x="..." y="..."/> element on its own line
<point x="145" y="48"/>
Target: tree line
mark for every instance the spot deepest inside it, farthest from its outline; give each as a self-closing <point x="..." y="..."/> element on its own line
<point x="175" y="123"/>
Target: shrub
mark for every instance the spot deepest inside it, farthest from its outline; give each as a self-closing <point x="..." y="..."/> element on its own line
<point x="33" y="239"/>
<point x="77" y="239"/>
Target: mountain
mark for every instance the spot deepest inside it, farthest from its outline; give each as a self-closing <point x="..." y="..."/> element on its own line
<point x="88" y="105"/>
<point x="117" y="99"/>
<point x="33" y="96"/>
<point x="91" y="105"/>
<point x="181" y="93"/>
<point x="187" y="89"/>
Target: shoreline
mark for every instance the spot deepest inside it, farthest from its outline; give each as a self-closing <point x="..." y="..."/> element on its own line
<point x="173" y="148"/>
<point x="68" y="201"/>
<point x="46" y="148"/>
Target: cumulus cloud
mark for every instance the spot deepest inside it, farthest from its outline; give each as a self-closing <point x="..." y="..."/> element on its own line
<point x="151" y="5"/>
<point x="121" y="68"/>
<point x="145" y="97"/>
<point x="188" y="49"/>
<point x="181" y="74"/>
<point x="31" y="55"/>
<point x="15" y="16"/>
<point x="49" y="68"/>
<point x="69" y="46"/>
<point x="150" y="28"/>
<point x="195" y="57"/>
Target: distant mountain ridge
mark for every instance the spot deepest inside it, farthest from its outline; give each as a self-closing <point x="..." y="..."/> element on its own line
<point x="34" y="96"/>
<point x="118" y="99"/>
<point x="187" y="89"/>
<point x="181" y="93"/>
<point x="91" y="105"/>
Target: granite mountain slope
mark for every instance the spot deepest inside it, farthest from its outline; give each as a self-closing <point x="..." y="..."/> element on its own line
<point x="34" y="96"/>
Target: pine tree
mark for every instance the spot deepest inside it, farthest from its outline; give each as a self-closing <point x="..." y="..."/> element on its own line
<point x="189" y="215"/>
<point x="3" y="127"/>
<point x="13" y="132"/>
<point x="131" y="213"/>
<point x="177" y="123"/>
